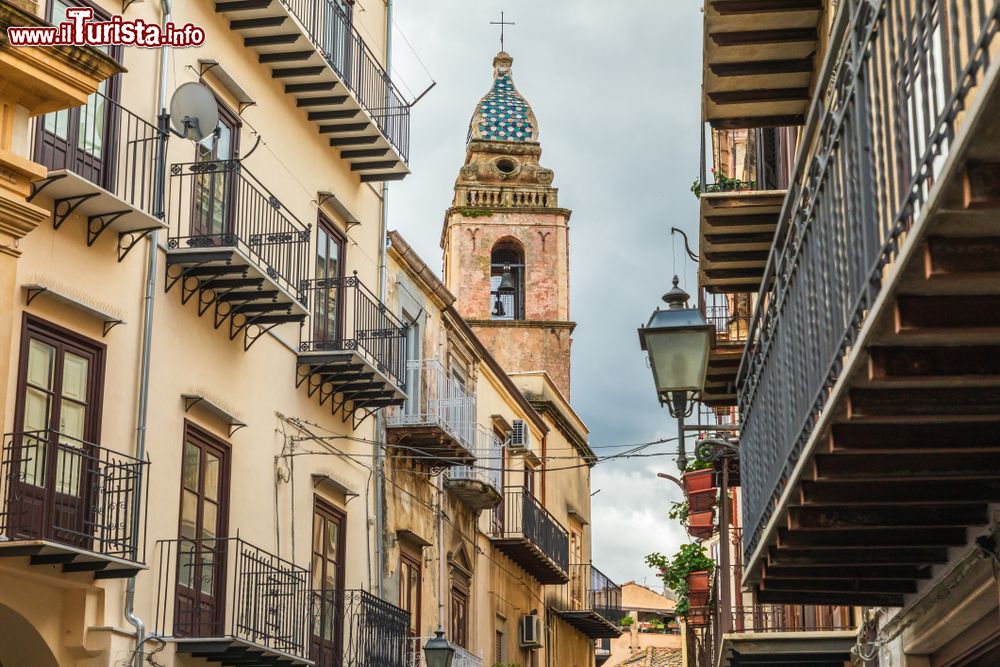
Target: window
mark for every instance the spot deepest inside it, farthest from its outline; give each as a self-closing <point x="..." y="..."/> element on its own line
<point x="412" y="406"/>
<point x="81" y="139"/>
<point x="327" y="566"/>
<point x="338" y="37"/>
<point x="203" y="528"/>
<point x="409" y="590"/>
<point x="529" y="478"/>
<point x="507" y="281"/>
<point x="58" y="411"/>
<point x="498" y="647"/>
<point x="328" y="307"/>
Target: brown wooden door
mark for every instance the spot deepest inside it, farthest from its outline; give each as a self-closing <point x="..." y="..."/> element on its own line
<point x="215" y="195"/>
<point x="201" y="553"/>
<point x="81" y="139"/>
<point x="327" y="644"/>
<point x="57" y="421"/>
<point x="328" y="306"/>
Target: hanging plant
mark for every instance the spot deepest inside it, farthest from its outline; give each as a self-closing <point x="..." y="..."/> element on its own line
<point x="674" y="571"/>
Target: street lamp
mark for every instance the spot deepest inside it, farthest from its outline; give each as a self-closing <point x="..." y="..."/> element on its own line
<point x="677" y="340"/>
<point x="439" y="652"/>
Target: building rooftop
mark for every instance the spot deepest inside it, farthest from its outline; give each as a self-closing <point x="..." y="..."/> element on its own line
<point x="503" y="114"/>
<point x="652" y="656"/>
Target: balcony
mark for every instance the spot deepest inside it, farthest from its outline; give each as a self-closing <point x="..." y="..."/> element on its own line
<point x="530" y="536"/>
<point x="227" y="601"/>
<point x="730" y="316"/>
<point x="590" y="602"/>
<point x="236" y="248"/>
<point x="870" y="397"/>
<point x="352" y="349"/>
<point x="438" y="420"/>
<point x="479" y="485"/>
<point x="356" y="629"/>
<point x="762" y="634"/>
<point x="101" y="161"/>
<point x="326" y="66"/>
<point x="462" y="658"/>
<point x="71" y="503"/>
<point x="738" y="223"/>
<point x="760" y="59"/>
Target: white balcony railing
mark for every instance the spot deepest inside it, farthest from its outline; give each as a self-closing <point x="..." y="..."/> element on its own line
<point x="415" y="654"/>
<point x="435" y="399"/>
<point x="489" y="460"/>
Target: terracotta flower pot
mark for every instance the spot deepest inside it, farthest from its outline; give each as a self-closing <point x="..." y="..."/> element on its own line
<point x="701" y="525"/>
<point x="698" y="585"/>
<point x="698" y="616"/>
<point x="702" y="501"/>
<point x="698" y="480"/>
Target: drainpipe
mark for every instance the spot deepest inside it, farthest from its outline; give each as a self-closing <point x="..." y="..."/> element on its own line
<point x="382" y="279"/>
<point x="159" y="184"/>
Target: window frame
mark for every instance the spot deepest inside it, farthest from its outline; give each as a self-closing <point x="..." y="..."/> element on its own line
<point x="326" y="225"/>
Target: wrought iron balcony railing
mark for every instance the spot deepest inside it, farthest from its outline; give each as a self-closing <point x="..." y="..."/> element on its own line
<point x="521" y="522"/>
<point x="590" y="601"/>
<point x="342" y="46"/>
<point x="729" y="313"/>
<point x="59" y="489"/>
<point x="790" y="618"/>
<point x="435" y="399"/>
<point x="872" y="150"/>
<point x="356" y="629"/>
<point x="489" y="461"/>
<point x="220" y="205"/>
<point x="215" y="593"/>
<point x="347" y="316"/>
<point x="462" y="658"/>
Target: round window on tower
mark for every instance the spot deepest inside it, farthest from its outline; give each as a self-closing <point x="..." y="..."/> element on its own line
<point x="506" y="166"/>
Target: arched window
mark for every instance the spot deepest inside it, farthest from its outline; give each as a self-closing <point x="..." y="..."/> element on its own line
<point x="507" y="281"/>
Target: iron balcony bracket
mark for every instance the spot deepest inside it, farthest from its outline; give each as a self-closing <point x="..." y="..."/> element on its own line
<point x="64" y="208"/>
<point x="38" y="186"/>
<point x="128" y="240"/>
<point x="96" y="224"/>
<point x="711" y="450"/>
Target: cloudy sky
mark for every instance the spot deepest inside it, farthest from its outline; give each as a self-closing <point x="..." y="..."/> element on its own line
<point x="615" y="89"/>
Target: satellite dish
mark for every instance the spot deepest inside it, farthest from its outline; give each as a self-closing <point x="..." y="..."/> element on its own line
<point x="194" y="113"/>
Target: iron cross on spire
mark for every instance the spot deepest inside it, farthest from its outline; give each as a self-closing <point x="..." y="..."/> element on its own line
<point x="502" y="25"/>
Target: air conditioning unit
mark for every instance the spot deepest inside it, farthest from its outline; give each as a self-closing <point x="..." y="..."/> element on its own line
<point x="520" y="436"/>
<point x="531" y="631"/>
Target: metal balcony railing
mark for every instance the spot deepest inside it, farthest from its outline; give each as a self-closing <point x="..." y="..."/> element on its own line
<point x="589" y="589"/>
<point x="332" y="32"/>
<point x="104" y="143"/>
<point x="58" y="488"/>
<point x="521" y="516"/>
<point x="789" y="618"/>
<point x="354" y="628"/>
<point x="463" y="657"/>
<point x="226" y="589"/>
<point x="730" y="315"/>
<point x="489" y="460"/>
<point x="220" y="204"/>
<point x="435" y="399"/>
<point x="345" y="315"/>
<point x="872" y="149"/>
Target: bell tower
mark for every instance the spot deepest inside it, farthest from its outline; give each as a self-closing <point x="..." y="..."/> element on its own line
<point x="506" y="240"/>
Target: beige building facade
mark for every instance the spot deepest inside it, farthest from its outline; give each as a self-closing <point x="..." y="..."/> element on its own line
<point x="239" y="428"/>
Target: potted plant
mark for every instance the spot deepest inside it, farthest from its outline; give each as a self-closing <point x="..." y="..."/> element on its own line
<point x="702" y="501"/>
<point x="699" y="476"/>
<point x="701" y="525"/>
<point x="689" y="559"/>
<point x="626" y="622"/>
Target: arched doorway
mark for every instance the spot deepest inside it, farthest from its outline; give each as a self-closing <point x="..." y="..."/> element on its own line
<point x="20" y="643"/>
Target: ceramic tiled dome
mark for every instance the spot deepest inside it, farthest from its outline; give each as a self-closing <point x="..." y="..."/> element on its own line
<point x="503" y="115"/>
